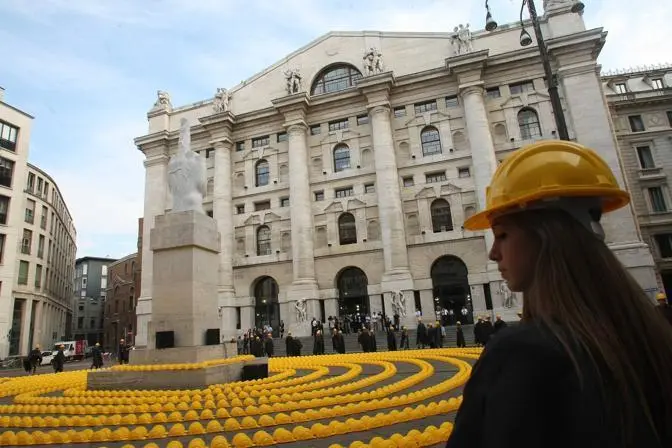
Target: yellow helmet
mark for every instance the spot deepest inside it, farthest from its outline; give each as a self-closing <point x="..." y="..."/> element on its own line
<point x="545" y="170"/>
<point x="661" y="296"/>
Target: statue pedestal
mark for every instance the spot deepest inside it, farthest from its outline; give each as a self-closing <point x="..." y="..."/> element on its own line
<point x="185" y="248"/>
<point x="300" y="329"/>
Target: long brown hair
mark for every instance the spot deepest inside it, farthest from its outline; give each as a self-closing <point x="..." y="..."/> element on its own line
<point x="582" y="292"/>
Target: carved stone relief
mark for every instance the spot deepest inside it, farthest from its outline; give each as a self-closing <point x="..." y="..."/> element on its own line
<point x="373" y="230"/>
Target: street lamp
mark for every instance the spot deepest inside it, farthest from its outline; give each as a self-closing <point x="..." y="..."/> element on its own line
<point x="525" y="40"/>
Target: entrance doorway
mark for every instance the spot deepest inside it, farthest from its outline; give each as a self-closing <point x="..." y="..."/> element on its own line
<point x="353" y="294"/>
<point x="450" y="283"/>
<point x="267" y="308"/>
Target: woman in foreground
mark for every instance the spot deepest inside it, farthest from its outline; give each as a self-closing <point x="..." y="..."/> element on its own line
<point x="590" y="365"/>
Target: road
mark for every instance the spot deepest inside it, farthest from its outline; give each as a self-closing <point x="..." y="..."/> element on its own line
<point x="69" y="366"/>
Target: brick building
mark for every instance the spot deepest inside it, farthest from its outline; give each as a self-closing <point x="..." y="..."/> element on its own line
<point x="122" y="293"/>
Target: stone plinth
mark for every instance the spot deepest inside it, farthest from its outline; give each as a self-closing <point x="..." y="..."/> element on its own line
<point x="178" y="355"/>
<point x="185" y="249"/>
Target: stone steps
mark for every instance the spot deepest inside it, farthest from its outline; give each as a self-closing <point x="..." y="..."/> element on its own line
<point x="351" y="344"/>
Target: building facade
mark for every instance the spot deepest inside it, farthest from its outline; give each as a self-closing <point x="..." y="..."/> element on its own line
<point x="640" y="101"/>
<point x="123" y="289"/>
<point x="343" y="174"/>
<point x="90" y="291"/>
<point x="37" y="245"/>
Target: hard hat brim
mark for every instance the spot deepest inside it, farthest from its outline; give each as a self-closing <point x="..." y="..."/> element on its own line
<point x="612" y="200"/>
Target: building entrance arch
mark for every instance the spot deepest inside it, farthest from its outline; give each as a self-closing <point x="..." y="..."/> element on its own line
<point x="450" y="284"/>
<point x="353" y="292"/>
<point x="266" y="305"/>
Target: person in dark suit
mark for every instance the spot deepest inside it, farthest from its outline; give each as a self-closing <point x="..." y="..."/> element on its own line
<point x="589" y="365"/>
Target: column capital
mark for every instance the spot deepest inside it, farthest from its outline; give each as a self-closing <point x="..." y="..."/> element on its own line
<point x="223" y="144"/>
<point x="375" y="109"/>
<point x="468" y="68"/>
<point x="296" y="127"/>
<point x="219" y="126"/>
<point x="473" y="88"/>
<point x="159" y="159"/>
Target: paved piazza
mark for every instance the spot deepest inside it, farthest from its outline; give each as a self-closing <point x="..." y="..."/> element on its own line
<point x="384" y="399"/>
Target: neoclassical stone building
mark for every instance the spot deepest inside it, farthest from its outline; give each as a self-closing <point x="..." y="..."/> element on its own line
<point x="343" y="173"/>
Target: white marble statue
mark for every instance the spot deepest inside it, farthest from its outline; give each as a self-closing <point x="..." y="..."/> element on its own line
<point x="508" y="296"/>
<point x="162" y="100"/>
<point x="221" y="101"/>
<point x="399" y="303"/>
<point x="373" y="62"/>
<point x="186" y="174"/>
<point x="301" y="309"/>
<point x="462" y="40"/>
<point x="293" y="79"/>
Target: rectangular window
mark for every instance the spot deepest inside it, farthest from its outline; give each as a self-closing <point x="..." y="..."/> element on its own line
<point x="40" y="246"/>
<point x="344" y="192"/>
<point x="493" y="92"/>
<point x="432" y="178"/>
<point x="521" y="87"/>
<point x="103" y="270"/>
<point x="4" y="209"/>
<point x="24" y="266"/>
<point x="645" y="157"/>
<point x="319" y="195"/>
<point x="284" y="202"/>
<point x="362" y="119"/>
<point x="636" y="123"/>
<point x="657" y="198"/>
<point x="399" y="111"/>
<point x="26" y="241"/>
<point x="43" y="218"/>
<point x="240" y="209"/>
<point x="30" y="186"/>
<point x="463" y="172"/>
<point x="260" y="142"/>
<point x="669" y="117"/>
<point x="621" y="88"/>
<point x="664" y="243"/>
<point x="6" y="172"/>
<point x="38" y="276"/>
<point x="210" y="213"/>
<point x="265" y="205"/>
<point x="282" y="137"/>
<point x="80" y="323"/>
<point x="426" y="106"/>
<point x="315" y="129"/>
<point x="369" y="188"/>
<point x="30" y="211"/>
<point x="84" y="282"/>
<point x="452" y="101"/>
<point x="657" y="83"/>
<point x="408" y="181"/>
<point x="339" y="125"/>
<point x="2" y="246"/>
<point x="240" y="146"/>
<point x="8" y="135"/>
<point x="208" y="152"/>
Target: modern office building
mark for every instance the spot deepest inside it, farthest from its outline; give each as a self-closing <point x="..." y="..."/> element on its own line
<point x="37" y="245"/>
<point x="640" y="101"/>
<point x="343" y="173"/>
<point x="90" y="291"/>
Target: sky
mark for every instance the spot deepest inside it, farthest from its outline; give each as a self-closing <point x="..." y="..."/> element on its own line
<point x="88" y="71"/>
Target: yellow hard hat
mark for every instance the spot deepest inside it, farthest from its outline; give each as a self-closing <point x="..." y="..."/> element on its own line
<point x="545" y="170"/>
<point x="661" y="296"/>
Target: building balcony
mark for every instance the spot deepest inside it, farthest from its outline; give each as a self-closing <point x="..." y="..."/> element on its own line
<point x="644" y="96"/>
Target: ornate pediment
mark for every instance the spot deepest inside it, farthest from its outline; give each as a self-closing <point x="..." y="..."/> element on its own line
<point x="450" y="189"/>
<point x="334" y="207"/>
<point x="427" y="192"/>
<point x="525" y="99"/>
<point x="353" y="204"/>
<point x="269" y="217"/>
<point x="427" y="118"/>
<point x="260" y="153"/>
<point x="336" y="137"/>
<point x="252" y="220"/>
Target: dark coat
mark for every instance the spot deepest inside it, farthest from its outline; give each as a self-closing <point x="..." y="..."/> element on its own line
<point x="524" y="392"/>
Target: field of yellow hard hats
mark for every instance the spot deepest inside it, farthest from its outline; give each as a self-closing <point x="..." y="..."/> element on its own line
<point x="304" y="399"/>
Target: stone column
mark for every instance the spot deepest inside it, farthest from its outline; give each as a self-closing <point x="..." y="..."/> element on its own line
<point x="39" y="337"/>
<point x="155" y="205"/>
<point x="26" y="315"/>
<point x="480" y="140"/>
<point x="223" y="214"/>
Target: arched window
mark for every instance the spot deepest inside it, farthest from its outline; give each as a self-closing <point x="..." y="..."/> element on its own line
<point x="442" y="221"/>
<point x="431" y="141"/>
<point x="335" y="78"/>
<point x="341" y="157"/>
<point x="261" y="173"/>
<point x="263" y="241"/>
<point x="528" y="121"/>
<point x="347" y="229"/>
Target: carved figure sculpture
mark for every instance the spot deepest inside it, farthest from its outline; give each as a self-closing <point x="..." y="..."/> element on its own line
<point x="462" y="39"/>
<point x="293" y="78"/>
<point x="221" y="101"/>
<point x="301" y="309"/>
<point x="399" y="303"/>
<point x="508" y="296"/>
<point x="186" y="174"/>
<point x="162" y="100"/>
<point x="373" y="62"/>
